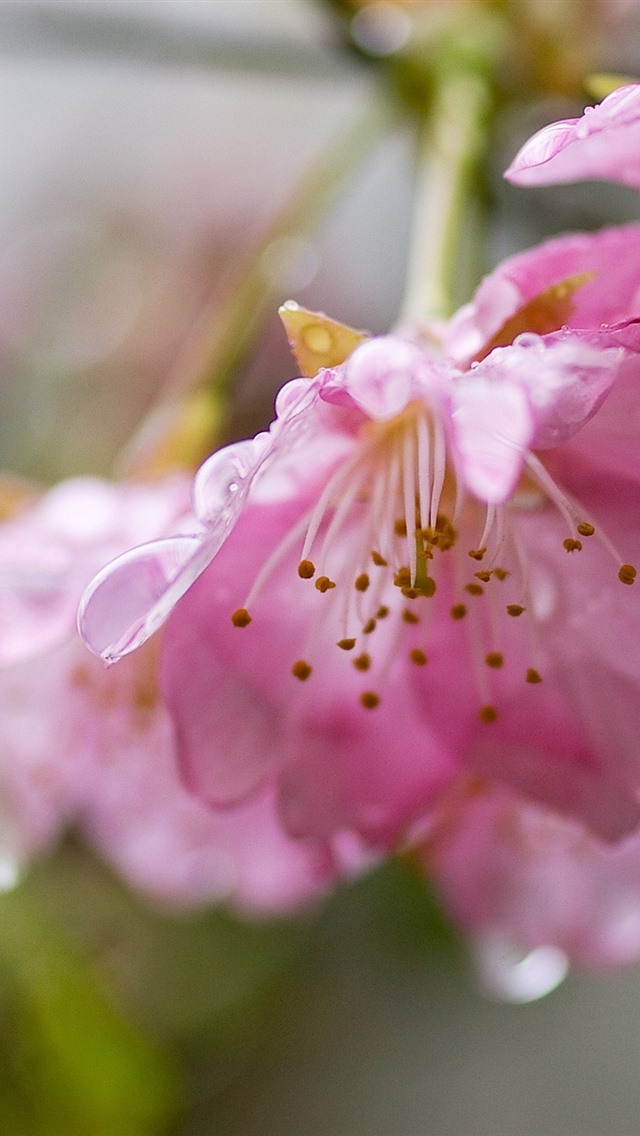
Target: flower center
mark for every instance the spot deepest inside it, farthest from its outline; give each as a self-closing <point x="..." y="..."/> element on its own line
<point x="393" y="523"/>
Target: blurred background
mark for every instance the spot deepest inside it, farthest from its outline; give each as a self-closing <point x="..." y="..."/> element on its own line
<point x="147" y="151"/>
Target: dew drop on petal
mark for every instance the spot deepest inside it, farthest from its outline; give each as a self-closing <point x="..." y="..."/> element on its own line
<point x="218" y="483"/>
<point x="515" y="975"/>
<point x="131" y="597"/>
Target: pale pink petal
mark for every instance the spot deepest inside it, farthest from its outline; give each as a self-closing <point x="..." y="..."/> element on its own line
<point x="175" y="849"/>
<point x="49" y="551"/>
<point x="564" y="378"/>
<point x="603" y="143"/>
<point x="492" y="427"/>
<point x="381" y="374"/>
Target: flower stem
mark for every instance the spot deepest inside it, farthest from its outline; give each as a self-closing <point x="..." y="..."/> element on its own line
<point x="451" y="144"/>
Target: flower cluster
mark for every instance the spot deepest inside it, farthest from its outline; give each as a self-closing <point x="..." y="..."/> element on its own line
<point x="405" y="614"/>
<point x="94" y="748"/>
<point x="425" y="566"/>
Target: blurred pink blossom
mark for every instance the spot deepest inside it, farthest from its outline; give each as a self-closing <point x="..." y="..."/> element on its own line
<point x="421" y="565"/>
<point x="513" y="873"/>
<point x="603" y="143"/>
<point x="93" y="747"/>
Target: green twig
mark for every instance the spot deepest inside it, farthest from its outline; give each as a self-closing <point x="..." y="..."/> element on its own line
<point x="450" y="147"/>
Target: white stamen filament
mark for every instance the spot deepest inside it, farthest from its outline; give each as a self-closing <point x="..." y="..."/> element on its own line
<point x="424" y="456"/>
<point x="278" y="554"/>
<point x="409" y="488"/>
<point x="439" y="469"/>
<point x="549" y="486"/>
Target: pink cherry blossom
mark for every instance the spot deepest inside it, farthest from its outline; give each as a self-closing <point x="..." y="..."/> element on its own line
<point x="422" y="566"/>
<point x="519" y="877"/>
<point x="603" y="143"/>
<point x="94" y="748"/>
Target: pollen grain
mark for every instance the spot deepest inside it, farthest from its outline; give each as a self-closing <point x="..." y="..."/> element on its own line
<point x="306" y="569"/>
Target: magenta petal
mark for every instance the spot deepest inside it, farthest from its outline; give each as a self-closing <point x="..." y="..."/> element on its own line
<point x="129" y="599"/>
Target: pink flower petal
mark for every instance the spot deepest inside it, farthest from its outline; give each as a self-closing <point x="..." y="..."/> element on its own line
<point x="508" y="869"/>
<point x="612" y="256"/>
<point x="603" y="143"/>
<point x="492" y="426"/>
<point x="380" y="376"/>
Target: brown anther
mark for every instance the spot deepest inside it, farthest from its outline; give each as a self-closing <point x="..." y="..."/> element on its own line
<point x="301" y="670"/>
<point x="382" y="612"/>
<point x="446" y="531"/>
<point x="426" y="587"/>
<point x="362" y="582"/>
<point x="410" y="616"/>
<point x="585" y="529"/>
<point x="474" y="589"/>
<point x="458" y="611"/>
<point x="378" y="560"/>
<point x="306" y="569"/>
<point x="241" y="617"/>
<point x="484" y="576"/>
<point x="402" y="578"/>
<point x="494" y="659"/>
<point x="362" y="662"/>
<point x="346" y="644"/>
<point x="627" y="574"/>
<point x="418" y="657"/>
<point x="515" y="609"/>
<point x="369" y="626"/>
<point x="500" y="573"/>
<point x="533" y="676"/>
<point x="572" y="545"/>
<point x="400" y="527"/>
<point x="488" y="713"/>
<point x="323" y="584"/>
<point x="477" y="553"/>
<point x="369" y="700"/>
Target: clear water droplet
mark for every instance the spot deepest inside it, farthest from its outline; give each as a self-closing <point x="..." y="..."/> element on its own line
<point x="517" y="975"/>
